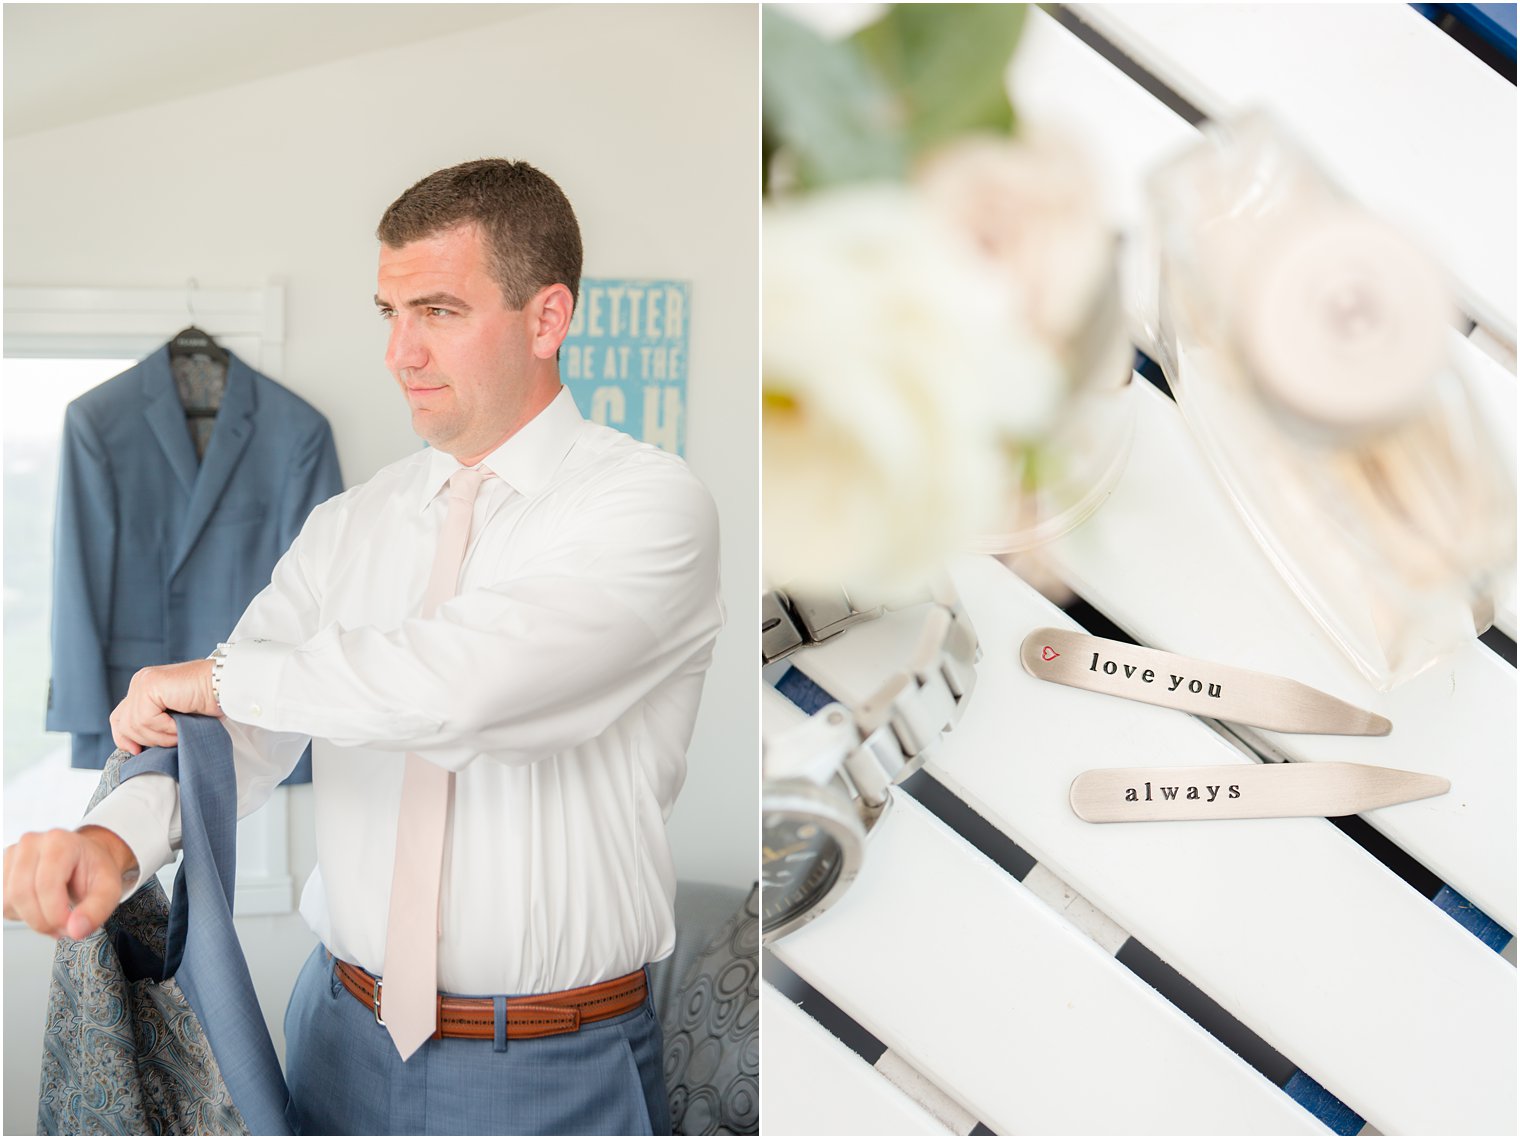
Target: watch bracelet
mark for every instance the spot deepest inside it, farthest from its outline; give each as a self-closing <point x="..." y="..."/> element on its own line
<point x="908" y="714"/>
<point x="897" y="728"/>
<point x="218" y="662"/>
<point x="794" y="617"/>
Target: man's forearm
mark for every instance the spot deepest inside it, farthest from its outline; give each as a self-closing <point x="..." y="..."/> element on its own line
<point x="517" y="675"/>
<point x="142" y="816"/>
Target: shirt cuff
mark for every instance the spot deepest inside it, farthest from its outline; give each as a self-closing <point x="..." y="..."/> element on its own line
<point x="250" y="678"/>
<point x="144" y="813"/>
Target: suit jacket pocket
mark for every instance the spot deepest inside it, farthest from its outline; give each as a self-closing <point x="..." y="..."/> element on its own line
<point x="236" y="510"/>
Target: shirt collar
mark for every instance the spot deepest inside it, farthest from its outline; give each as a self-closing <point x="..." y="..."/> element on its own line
<point x="528" y="458"/>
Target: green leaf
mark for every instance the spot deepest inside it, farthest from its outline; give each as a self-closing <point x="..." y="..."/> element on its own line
<point x="947" y="63"/>
<point x="826" y="109"/>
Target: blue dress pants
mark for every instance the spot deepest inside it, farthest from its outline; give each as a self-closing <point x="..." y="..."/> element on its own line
<point x="345" y="1077"/>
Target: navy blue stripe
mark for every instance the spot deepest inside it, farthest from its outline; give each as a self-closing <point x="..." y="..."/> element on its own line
<point x="824" y="1011"/>
<point x="1472" y="919"/>
<point x="802" y="690"/>
<point x="1093" y="620"/>
<point x="1151" y="373"/>
<point x="1500" y="642"/>
<point x="1208" y="1013"/>
<point x="1324" y="1106"/>
<point x="960" y="817"/>
<point x="1390" y="854"/>
<point x="1213" y="1019"/>
<point x="1490" y="40"/>
<point x="1071" y="19"/>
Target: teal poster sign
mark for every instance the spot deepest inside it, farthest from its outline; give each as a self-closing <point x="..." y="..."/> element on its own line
<point x="625" y="359"/>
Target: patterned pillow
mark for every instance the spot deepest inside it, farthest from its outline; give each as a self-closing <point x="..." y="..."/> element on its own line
<point x="712" y="1033"/>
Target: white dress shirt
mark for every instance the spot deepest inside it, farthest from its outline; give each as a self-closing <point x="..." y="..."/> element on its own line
<point x="560" y="686"/>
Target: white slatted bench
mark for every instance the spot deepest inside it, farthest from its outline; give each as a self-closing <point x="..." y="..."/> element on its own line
<point x="1008" y="968"/>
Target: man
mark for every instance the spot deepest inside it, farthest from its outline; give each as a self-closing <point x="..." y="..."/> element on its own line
<point x="546" y="708"/>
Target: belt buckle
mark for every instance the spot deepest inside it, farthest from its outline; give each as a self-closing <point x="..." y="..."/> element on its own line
<point x="375" y="1000"/>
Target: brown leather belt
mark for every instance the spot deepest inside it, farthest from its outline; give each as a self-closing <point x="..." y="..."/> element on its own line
<point x="527" y="1017"/>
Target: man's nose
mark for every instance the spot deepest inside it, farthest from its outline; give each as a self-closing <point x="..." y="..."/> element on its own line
<point x="405" y="349"/>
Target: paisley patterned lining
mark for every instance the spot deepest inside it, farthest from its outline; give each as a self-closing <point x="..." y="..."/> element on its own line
<point x="124" y="1057"/>
<point x="201" y="383"/>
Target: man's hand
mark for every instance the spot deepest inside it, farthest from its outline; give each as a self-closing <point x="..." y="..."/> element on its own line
<point x="142" y="719"/>
<point x="48" y="872"/>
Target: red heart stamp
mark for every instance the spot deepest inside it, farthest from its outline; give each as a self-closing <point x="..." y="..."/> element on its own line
<point x="1048" y="653"/>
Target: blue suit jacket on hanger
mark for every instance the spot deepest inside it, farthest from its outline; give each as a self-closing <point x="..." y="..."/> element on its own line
<point x="157" y="554"/>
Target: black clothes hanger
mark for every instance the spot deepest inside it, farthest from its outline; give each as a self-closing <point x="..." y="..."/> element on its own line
<point x="194" y="342"/>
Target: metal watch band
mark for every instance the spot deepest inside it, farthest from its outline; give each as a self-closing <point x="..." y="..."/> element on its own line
<point x="218" y="661"/>
<point x="792" y="618"/>
<point x="828" y="776"/>
<point x="903" y="720"/>
<point x="897" y="726"/>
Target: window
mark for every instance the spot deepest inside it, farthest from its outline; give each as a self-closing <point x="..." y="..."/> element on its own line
<point x="41" y="790"/>
<point x="60" y="343"/>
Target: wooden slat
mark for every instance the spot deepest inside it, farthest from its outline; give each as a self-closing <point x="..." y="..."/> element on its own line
<point x="983" y="988"/>
<point x="1405" y="118"/>
<point x="811" y="1084"/>
<point x="1169" y="560"/>
<point x="1286" y="923"/>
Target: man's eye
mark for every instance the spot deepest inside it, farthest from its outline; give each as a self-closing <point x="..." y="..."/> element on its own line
<point x="386" y="313"/>
<point x="438" y="312"/>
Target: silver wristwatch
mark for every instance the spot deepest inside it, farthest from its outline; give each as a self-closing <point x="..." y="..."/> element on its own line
<point x="218" y="662"/>
<point x="827" y="776"/>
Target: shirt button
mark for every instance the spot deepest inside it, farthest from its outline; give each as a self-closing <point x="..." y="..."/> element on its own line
<point x="255" y="709"/>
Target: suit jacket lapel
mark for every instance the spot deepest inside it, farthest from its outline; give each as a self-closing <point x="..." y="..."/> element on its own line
<point x="234" y="427"/>
<point x="166" y="418"/>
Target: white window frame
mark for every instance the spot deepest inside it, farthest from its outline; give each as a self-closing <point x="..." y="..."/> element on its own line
<point x="86" y="323"/>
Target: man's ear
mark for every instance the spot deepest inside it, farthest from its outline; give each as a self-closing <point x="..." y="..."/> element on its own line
<point x="549" y="312"/>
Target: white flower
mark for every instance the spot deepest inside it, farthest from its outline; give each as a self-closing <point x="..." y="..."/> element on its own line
<point x="1031" y="206"/>
<point x="895" y="368"/>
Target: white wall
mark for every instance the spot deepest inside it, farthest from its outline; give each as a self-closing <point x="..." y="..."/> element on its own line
<point x="646" y="116"/>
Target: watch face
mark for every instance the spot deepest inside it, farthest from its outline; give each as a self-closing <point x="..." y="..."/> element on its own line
<point x="800" y="864"/>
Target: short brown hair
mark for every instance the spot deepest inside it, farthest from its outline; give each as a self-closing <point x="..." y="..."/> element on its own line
<point x="530" y="229"/>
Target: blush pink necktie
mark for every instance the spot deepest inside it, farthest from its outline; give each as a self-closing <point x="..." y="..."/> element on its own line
<point x="409" y="992"/>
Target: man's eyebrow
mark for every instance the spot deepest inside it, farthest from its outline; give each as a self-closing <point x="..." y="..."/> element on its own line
<point x="431" y="300"/>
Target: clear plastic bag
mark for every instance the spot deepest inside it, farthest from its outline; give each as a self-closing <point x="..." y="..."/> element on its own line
<point x="1308" y="344"/>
